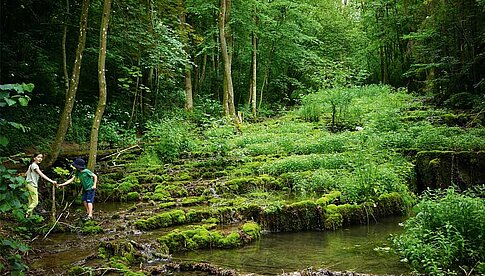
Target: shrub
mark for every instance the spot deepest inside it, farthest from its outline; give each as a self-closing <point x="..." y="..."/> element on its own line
<point x="446" y="235"/>
<point x="172" y="136"/>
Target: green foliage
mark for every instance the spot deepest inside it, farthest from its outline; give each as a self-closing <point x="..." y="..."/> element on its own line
<point x="171" y="138"/>
<point x="12" y="191"/>
<point x="19" y="98"/>
<point x="7" y="99"/>
<point x="12" y="251"/>
<point x="446" y="235"/>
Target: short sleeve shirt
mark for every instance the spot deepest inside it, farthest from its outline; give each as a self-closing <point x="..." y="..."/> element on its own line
<point x="86" y="179"/>
<point x="32" y="175"/>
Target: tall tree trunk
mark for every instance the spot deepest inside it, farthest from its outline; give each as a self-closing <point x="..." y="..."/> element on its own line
<point x="189" y="102"/>
<point x="253" y="83"/>
<point x="228" y="95"/>
<point x="103" y="37"/>
<point x="73" y="85"/>
<point x="64" y="54"/>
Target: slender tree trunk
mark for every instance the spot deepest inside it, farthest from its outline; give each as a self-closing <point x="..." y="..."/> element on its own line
<point x="73" y="85"/>
<point x="253" y="81"/>
<point x="103" y="38"/>
<point x="64" y="54"/>
<point x="202" y="73"/>
<point x="228" y="95"/>
<point x="189" y="102"/>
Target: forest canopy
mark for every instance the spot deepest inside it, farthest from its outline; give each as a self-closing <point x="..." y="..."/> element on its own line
<point x="230" y="57"/>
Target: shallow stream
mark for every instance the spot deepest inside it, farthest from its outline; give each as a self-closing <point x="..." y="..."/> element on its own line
<point x="362" y="249"/>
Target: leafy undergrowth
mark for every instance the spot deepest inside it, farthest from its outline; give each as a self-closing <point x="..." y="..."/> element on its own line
<point x="316" y="168"/>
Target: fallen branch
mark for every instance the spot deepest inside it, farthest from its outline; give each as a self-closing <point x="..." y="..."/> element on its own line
<point x="54" y="225"/>
<point x="120" y="152"/>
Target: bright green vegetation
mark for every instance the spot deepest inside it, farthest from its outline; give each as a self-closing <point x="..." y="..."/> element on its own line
<point x="294" y="173"/>
<point x="447" y="235"/>
<point x="350" y="162"/>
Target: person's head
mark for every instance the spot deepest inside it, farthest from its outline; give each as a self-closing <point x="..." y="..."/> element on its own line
<point x="79" y="164"/>
<point x="37" y="158"/>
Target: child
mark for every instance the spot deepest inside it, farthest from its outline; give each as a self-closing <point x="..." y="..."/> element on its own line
<point x="88" y="181"/>
<point x="32" y="177"/>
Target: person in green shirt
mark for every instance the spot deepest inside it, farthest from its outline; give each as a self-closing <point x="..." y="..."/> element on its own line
<point x="88" y="181"/>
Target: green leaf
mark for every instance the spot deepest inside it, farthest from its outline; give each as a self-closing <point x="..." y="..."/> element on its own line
<point x="23" y="247"/>
<point x="4" y="94"/>
<point x="29" y="87"/>
<point x="4" y="208"/>
<point x="10" y="102"/>
<point x="7" y="87"/>
<point x="24" y="101"/>
<point x="3" y="141"/>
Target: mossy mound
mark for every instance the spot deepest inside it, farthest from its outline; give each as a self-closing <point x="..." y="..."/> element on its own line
<point x="204" y="236"/>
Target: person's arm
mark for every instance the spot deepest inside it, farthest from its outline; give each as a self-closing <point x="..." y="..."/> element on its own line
<point x="67" y="182"/>
<point x="95" y="179"/>
<point x="45" y="176"/>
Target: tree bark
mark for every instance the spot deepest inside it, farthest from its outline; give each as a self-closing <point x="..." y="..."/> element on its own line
<point x="253" y="83"/>
<point x="64" y="54"/>
<point x="103" y="38"/>
<point x="228" y="95"/>
<point x="189" y="102"/>
<point x="73" y="85"/>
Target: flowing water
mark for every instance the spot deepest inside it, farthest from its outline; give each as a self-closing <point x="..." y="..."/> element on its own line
<point x="362" y="249"/>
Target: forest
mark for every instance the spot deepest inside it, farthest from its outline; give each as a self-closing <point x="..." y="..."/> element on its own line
<point x="216" y="125"/>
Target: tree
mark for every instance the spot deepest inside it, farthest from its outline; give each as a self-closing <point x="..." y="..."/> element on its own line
<point x="225" y="41"/>
<point x="73" y="86"/>
<point x="189" y="100"/>
<point x="103" y="37"/>
<point x="253" y="80"/>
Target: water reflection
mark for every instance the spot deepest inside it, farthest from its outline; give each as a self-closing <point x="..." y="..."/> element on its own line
<point x="362" y="249"/>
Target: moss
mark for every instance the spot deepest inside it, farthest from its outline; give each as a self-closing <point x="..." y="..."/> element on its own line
<point x="252" y="229"/>
<point x="133" y="196"/>
<point x="160" y="195"/>
<point x="201" y="237"/>
<point x="119" y="250"/>
<point x="391" y="204"/>
<point x="248" y="183"/>
<point x="91" y="227"/>
<point x="176" y="217"/>
<point x="442" y="169"/>
<point x="130" y="183"/>
<point x="166" y="205"/>
<point x="211" y="221"/>
<point x="151" y="178"/>
<point x="251" y="211"/>
<point x="329" y="198"/>
<point x="225" y="214"/>
<point x="197" y="215"/>
<point x="184" y="176"/>
<point x="353" y="213"/>
<point x="332" y="218"/>
<point x="303" y="215"/>
<point x="231" y="240"/>
<point x="172" y="190"/>
<point x="190" y="201"/>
